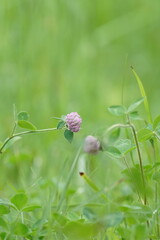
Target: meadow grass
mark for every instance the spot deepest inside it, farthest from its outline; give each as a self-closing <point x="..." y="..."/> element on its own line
<point x="62" y="56"/>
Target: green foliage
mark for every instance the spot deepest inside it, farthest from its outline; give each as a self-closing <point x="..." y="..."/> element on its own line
<point x="114" y="135"/>
<point x="114" y="219"/>
<point x="23" y="116"/>
<point x="113" y="152"/>
<point x="126" y="199"/>
<point x="135" y="116"/>
<point x="60" y="56"/>
<point x="20" y="229"/>
<point x="156" y="176"/>
<point x="12" y="142"/>
<point x="19" y="200"/>
<point x="134" y="105"/>
<point x="68" y="135"/>
<point x="30" y="208"/>
<point x="61" y="124"/>
<point x="143" y="93"/>
<point x="26" y="125"/>
<point x="156" y="122"/>
<point x="4" y="209"/>
<point x="80" y="230"/>
<point x="124" y="145"/>
<point x="144" y="134"/>
<point x="23" y="122"/>
<point x="117" y="110"/>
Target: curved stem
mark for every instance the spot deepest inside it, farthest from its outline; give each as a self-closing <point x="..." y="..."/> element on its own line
<point x="25" y="133"/>
<point x="118" y="125"/>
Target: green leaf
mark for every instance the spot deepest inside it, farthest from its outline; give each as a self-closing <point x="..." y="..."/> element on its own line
<point x="4" y="209"/>
<point x="135" y="116"/>
<point x="78" y="230"/>
<point x="117" y="110"/>
<point x="68" y="135"/>
<point x="143" y="95"/>
<point x="20" y="229"/>
<point x="134" y="105"/>
<point x="114" y="135"/>
<point x="123" y="145"/>
<point x="3" y="223"/>
<point x="26" y="125"/>
<point x="61" y="124"/>
<point x="135" y="173"/>
<point x="59" y="218"/>
<point x="111" y="235"/>
<point x="156" y="122"/>
<point x="114" y="219"/>
<point x="23" y="116"/>
<point x="11" y="142"/>
<point x="19" y="200"/>
<point x="140" y="232"/>
<point x="138" y="208"/>
<point x="156" y="176"/>
<point x="129" y="208"/>
<point x="3" y="235"/>
<point x="30" y="208"/>
<point x="144" y="134"/>
<point x="89" y="214"/>
<point x="113" y="152"/>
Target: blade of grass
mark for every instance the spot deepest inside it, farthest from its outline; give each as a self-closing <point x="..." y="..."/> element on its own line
<point x="143" y="93"/>
<point x="72" y="169"/>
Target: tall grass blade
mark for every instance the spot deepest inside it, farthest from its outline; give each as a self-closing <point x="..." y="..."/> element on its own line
<point x="70" y="174"/>
<point x="143" y="93"/>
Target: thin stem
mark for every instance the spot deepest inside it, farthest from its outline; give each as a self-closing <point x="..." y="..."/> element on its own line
<point x="140" y="160"/>
<point x="155" y="149"/>
<point x="14" y="128"/>
<point x="25" y="133"/>
<point x="131" y="154"/>
<point x="130" y="125"/>
<point x="119" y="125"/>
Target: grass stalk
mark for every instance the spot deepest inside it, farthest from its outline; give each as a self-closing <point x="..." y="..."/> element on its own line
<point x="140" y="160"/>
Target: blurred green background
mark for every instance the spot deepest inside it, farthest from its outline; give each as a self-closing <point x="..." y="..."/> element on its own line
<point x="59" y="56"/>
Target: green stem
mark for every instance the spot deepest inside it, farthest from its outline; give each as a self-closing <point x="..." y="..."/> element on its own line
<point x="131" y="154"/>
<point x="140" y="160"/>
<point x="129" y="125"/>
<point x="155" y="150"/>
<point x="14" y="128"/>
<point x="25" y="133"/>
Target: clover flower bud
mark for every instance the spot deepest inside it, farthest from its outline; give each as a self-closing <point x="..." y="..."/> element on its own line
<point x="92" y="145"/>
<point x="73" y="121"/>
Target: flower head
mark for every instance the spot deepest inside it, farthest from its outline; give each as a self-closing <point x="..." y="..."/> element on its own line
<point x="73" y="121"/>
<point x="92" y="145"/>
